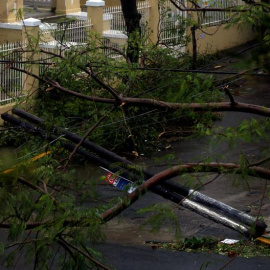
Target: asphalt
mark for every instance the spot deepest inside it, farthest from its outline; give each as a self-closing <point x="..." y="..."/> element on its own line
<point x="122" y="257"/>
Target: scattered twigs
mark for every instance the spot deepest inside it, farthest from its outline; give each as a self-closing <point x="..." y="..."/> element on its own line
<point x="29" y="184"/>
<point x="86" y="135"/>
<point x="101" y="83"/>
<point x="97" y="263"/>
<point x="257" y="163"/>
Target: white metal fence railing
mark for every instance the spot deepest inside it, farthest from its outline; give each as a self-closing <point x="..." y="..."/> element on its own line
<point x="171" y="24"/>
<point x="61" y="37"/>
<point x="71" y="31"/>
<point x="11" y="81"/>
<point x="218" y="17"/>
<point x="117" y="22"/>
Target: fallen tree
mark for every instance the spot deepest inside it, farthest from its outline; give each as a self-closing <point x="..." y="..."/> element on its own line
<point x="41" y="203"/>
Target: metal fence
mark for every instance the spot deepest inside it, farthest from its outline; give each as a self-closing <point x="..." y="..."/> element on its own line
<point x="63" y="36"/>
<point x="68" y="31"/>
<point x="171" y="24"/>
<point x="218" y="17"/>
<point x="11" y="81"/>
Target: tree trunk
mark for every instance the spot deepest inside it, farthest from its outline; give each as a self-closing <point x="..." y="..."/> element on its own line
<point x="194" y="46"/>
<point x="132" y="19"/>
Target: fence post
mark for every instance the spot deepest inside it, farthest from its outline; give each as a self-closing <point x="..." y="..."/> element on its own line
<point x="154" y="20"/>
<point x="192" y="44"/>
<point x="95" y="13"/>
<point x="67" y="6"/>
<point x="9" y="9"/>
<point x="30" y="34"/>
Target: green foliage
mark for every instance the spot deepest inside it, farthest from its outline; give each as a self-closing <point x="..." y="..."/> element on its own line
<point x="253" y="130"/>
<point x="161" y="214"/>
<point x="258" y="18"/>
<point x="12" y="136"/>
<point x="63" y="228"/>
<point x="55" y="202"/>
<point x="137" y="127"/>
<point x="172" y="25"/>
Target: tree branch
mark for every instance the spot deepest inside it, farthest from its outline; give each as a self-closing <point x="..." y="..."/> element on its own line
<point x="97" y="263"/>
<point x="86" y="135"/>
<point x="197" y="107"/>
<point x="175" y="171"/>
<point x="254" y="171"/>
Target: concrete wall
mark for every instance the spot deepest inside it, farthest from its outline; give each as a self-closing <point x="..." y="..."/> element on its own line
<point x="67" y="6"/>
<point x="112" y="2"/>
<point x="8" y="10"/>
<point x="10" y="35"/>
<point x="221" y="38"/>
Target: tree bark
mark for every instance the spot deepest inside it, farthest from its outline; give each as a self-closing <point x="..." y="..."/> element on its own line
<point x="132" y="19"/>
<point x="194" y="46"/>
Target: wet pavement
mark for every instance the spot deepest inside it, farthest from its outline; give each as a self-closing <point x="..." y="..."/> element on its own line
<point x="123" y="257"/>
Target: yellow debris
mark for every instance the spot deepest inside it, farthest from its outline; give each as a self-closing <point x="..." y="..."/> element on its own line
<point x="264" y="240"/>
<point x="30" y="160"/>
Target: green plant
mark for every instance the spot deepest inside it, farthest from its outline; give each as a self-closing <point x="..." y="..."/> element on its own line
<point x="44" y="210"/>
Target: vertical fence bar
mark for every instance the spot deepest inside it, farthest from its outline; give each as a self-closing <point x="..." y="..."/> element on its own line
<point x="209" y="18"/>
<point x="72" y="31"/>
<point x="172" y="24"/>
<point x="10" y="80"/>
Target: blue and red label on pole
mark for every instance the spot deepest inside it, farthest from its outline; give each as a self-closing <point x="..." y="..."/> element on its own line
<point x="119" y="181"/>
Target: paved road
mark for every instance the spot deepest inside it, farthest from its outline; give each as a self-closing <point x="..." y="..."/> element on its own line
<point x="144" y="258"/>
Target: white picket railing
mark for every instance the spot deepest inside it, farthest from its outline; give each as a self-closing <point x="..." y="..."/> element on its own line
<point x="64" y="36"/>
<point x="73" y="31"/>
<point x="11" y="81"/>
<point x="218" y="17"/>
<point x="68" y="31"/>
<point x="171" y="27"/>
<point x="172" y="24"/>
